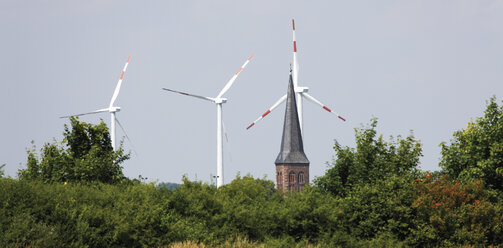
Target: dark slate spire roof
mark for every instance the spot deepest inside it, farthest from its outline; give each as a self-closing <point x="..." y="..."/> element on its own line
<point x="292" y="149"/>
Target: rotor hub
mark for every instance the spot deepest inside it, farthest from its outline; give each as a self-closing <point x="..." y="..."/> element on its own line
<point x="301" y="89"/>
<point x="220" y="100"/>
<point x="114" y="109"/>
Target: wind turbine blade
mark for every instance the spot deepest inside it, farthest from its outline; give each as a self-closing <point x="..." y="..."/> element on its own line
<point x="118" y="87"/>
<point x="295" y="63"/>
<point x="127" y="137"/>
<point x="94" y="112"/>
<point x="192" y="95"/>
<point x="229" y="84"/>
<point x="312" y="99"/>
<point x="275" y="105"/>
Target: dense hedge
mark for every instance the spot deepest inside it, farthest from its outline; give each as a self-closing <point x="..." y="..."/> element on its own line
<point x="395" y="212"/>
<point x="77" y="215"/>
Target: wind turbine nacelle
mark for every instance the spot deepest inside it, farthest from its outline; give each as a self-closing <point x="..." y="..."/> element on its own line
<point x="220" y="100"/>
<point x="114" y="109"/>
<point x="301" y="89"/>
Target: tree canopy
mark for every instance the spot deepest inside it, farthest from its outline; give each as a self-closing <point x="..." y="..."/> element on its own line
<point x="476" y="152"/>
<point x="85" y="155"/>
<point x="373" y="160"/>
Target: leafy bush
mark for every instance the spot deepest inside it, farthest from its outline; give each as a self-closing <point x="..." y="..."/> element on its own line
<point x="77" y="215"/>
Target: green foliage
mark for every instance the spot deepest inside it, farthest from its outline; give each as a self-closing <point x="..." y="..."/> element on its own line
<point x="373" y="185"/>
<point x="372" y="210"/>
<point x="250" y="207"/>
<point x="80" y="215"/>
<point x="248" y="212"/>
<point x="477" y="151"/>
<point x="373" y="160"/>
<point x="192" y="208"/>
<point x="87" y="156"/>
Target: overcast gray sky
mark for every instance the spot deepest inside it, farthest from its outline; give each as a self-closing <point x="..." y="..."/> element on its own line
<point x="426" y="66"/>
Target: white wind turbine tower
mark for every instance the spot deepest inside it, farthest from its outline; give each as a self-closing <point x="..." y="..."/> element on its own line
<point x="219" y="101"/>
<point x="300" y="92"/>
<point x="111" y="108"/>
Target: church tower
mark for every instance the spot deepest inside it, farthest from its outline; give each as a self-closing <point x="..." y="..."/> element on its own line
<point x="292" y="165"/>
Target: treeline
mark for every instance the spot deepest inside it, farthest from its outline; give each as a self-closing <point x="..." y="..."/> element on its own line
<point x="372" y="195"/>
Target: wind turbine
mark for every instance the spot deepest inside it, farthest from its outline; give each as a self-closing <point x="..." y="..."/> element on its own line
<point x="111" y="108"/>
<point x="218" y="101"/>
<point x="300" y="92"/>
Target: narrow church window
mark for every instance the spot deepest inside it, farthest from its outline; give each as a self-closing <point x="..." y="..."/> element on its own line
<point x="301" y="181"/>
<point x="291" y="180"/>
<point x="301" y="178"/>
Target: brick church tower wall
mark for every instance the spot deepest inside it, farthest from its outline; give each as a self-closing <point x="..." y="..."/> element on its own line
<point x="292" y="177"/>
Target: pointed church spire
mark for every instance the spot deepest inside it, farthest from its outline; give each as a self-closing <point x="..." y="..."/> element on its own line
<point x="292" y="148"/>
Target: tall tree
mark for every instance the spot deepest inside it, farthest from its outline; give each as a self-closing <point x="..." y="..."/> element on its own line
<point x="373" y="159"/>
<point x="477" y="151"/>
<point x="85" y="154"/>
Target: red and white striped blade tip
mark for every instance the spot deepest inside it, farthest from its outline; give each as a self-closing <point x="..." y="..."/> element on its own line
<point x="329" y="110"/>
<point x="243" y="67"/>
<point x="251" y="125"/>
